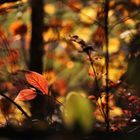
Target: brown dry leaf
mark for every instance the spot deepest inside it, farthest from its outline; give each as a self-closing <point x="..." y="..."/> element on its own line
<point x="99" y="36"/>
<point x="75" y="5"/>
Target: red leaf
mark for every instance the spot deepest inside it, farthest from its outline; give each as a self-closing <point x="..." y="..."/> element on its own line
<point x="26" y="94"/>
<point x="37" y="80"/>
<point x="132" y="98"/>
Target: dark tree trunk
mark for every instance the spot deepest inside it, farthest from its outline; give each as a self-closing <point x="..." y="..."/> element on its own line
<point x="36" y="50"/>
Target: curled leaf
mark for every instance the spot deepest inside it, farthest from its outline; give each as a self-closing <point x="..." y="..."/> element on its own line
<point x="37" y="80"/>
<point x="26" y="94"/>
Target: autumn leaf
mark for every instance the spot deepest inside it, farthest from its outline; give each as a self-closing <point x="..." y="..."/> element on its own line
<point x="99" y="37"/>
<point x="75" y="5"/>
<point x="136" y="2"/>
<point x="91" y="73"/>
<point x="26" y="94"/>
<point x="131" y="98"/>
<point x="37" y="80"/>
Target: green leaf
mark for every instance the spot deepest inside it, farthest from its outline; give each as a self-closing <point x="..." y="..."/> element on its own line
<point x="79" y="110"/>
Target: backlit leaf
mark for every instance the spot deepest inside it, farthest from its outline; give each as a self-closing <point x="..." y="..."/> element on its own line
<point x="26" y="94"/>
<point x="88" y="15"/>
<point x="37" y="80"/>
<point x="114" y="45"/>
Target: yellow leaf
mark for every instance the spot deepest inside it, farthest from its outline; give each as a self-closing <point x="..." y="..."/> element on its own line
<point x="88" y="15"/>
<point x="114" y="45"/>
<point x="50" y="9"/>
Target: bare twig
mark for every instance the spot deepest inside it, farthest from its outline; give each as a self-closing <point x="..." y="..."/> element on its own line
<point x="87" y="49"/>
<point x="107" y="62"/>
<point x="97" y="86"/>
<point x="5" y="9"/>
<point x="125" y="19"/>
<point x="14" y="103"/>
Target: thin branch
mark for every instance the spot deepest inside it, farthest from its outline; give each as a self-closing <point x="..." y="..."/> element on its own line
<point x="52" y="97"/>
<point x="107" y="62"/>
<point x="6" y="1"/>
<point x="5" y="9"/>
<point x="124" y="19"/>
<point x="18" y="106"/>
<point x="91" y="63"/>
<point x="97" y="86"/>
<point x="86" y="49"/>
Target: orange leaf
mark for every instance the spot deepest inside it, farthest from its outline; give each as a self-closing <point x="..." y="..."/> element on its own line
<point x="91" y="73"/>
<point x="26" y="94"/>
<point x="37" y="80"/>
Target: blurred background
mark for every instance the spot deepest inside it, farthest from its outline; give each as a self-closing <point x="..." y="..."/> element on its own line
<point x="34" y="35"/>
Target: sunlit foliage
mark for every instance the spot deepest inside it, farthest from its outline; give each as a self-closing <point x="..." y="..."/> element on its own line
<point x="74" y="51"/>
